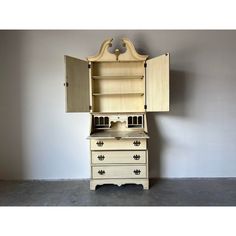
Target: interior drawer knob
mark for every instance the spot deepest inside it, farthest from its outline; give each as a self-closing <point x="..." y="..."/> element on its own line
<point x="99" y="143"/>
<point x="101" y="157"/>
<point x="137" y="172"/>
<point x="136" y="157"/>
<point x="136" y="143"/>
<point x="101" y="172"/>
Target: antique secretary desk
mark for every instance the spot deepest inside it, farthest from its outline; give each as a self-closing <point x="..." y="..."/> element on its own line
<point x="118" y="89"/>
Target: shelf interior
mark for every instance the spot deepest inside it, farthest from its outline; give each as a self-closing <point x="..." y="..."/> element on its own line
<point x="118" y="87"/>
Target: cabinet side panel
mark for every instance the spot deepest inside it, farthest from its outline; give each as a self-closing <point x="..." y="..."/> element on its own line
<point x="157" y="83"/>
<point x="77" y="85"/>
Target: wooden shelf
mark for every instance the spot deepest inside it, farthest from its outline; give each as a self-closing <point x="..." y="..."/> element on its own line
<point x="118" y="77"/>
<point x="114" y="94"/>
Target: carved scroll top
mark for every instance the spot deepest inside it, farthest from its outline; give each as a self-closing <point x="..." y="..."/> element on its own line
<point x="129" y="55"/>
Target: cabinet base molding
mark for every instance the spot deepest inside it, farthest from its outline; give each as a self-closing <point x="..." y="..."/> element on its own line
<point x="119" y="182"/>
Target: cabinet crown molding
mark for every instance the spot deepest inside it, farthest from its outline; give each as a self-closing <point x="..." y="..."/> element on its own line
<point x="130" y="53"/>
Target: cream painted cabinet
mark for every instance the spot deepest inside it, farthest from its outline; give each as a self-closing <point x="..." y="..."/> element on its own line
<point x="118" y="89"/>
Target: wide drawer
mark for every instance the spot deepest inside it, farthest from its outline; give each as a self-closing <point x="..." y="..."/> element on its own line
<point x="106" y="172"/>
<point x="117" y="157"/>
<point x="122" y="144"/>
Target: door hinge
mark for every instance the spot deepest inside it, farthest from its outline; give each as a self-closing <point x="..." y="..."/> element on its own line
<point x="145" y="107"/>
<point x="66" y="84"/>
<point x="145" y="65"/>
<point x="89" y="66"/>
<point x="90" y="107"/>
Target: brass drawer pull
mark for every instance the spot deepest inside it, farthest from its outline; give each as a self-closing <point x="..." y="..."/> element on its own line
<point x="136" y="143"/>
<point x="137" y="172"/>
<point x="100" y="143"/>
<point x="101" y="172"/>
<point x="136" y="157"/>
<point x="101" y="157"/>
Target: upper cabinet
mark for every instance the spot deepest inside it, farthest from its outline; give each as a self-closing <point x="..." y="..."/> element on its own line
<point x="117" y="82"/>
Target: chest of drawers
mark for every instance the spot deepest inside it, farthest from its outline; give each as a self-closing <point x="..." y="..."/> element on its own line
<point x="123" y="161"/>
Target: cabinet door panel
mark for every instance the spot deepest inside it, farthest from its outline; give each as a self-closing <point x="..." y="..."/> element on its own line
<point x="77" y="85"/>
<point x="157" y="83"/>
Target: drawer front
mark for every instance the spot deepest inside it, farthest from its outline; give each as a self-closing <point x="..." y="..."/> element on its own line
<point x="107" y="172"/>
<point x="123" y="144"/>
<point x="118" y="157"/>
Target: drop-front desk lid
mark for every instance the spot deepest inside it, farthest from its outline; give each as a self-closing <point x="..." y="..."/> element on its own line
<point x="119" y="135"/>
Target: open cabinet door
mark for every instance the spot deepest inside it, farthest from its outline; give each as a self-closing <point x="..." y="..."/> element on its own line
<point x="77" y="85"/>
<point x="157" y="84"/>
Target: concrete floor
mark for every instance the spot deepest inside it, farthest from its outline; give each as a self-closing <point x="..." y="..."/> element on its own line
<point x="164" y="192"/>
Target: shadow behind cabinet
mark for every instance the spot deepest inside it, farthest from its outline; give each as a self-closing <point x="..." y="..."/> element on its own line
<point x="118" y="89"/>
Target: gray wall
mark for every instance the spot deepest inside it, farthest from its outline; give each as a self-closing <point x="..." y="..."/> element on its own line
<point x="38" y="140"/>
